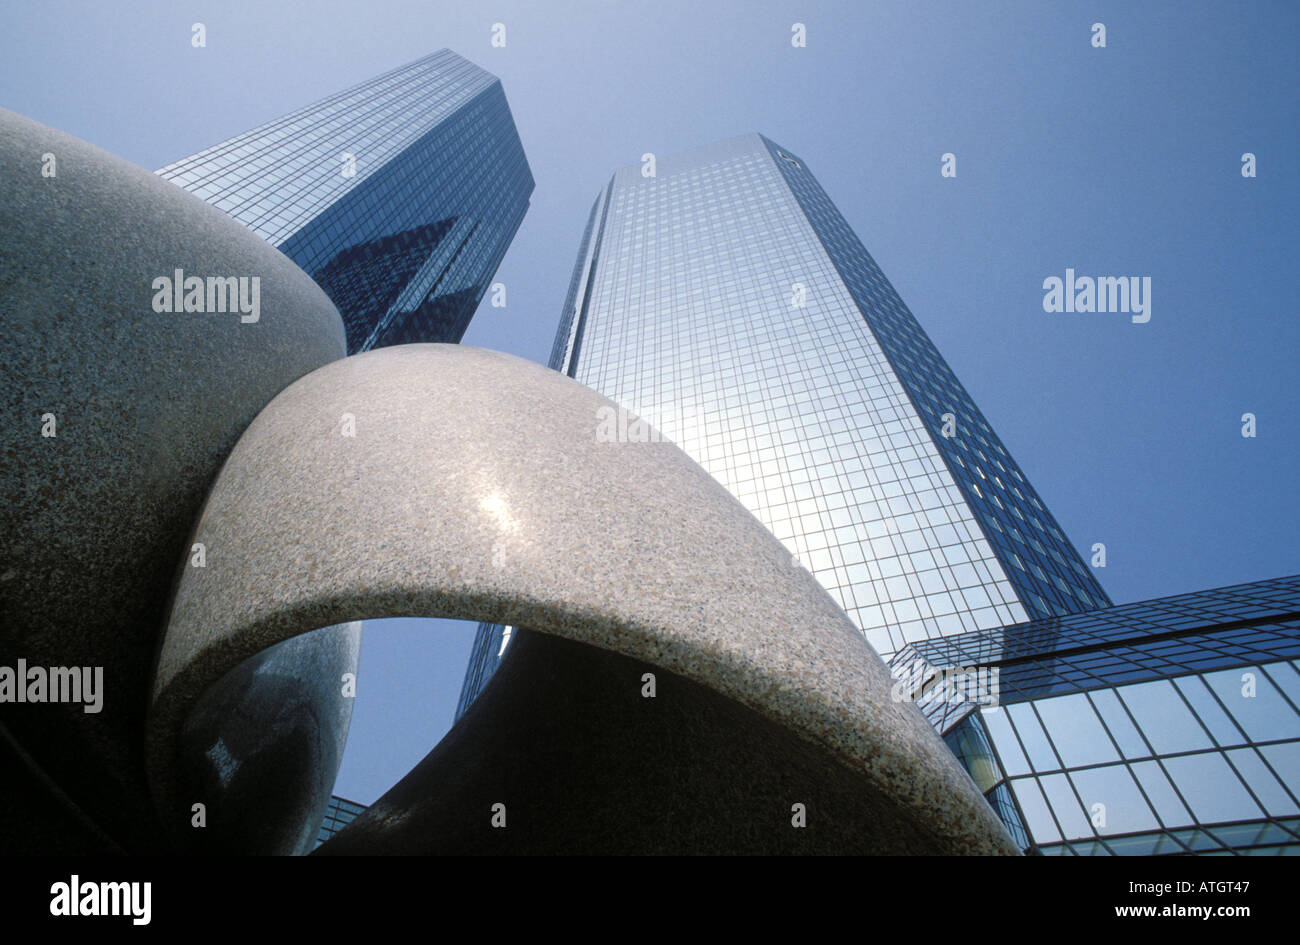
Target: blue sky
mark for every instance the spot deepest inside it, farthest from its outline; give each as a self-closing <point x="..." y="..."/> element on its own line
<point x="1116" y="161"/>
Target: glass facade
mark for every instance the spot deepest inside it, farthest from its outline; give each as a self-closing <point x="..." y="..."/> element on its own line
<point x="398" y="196"/>
<point x="489" y="647"/>
<point x="1167" y="726"/>
<point x="726" y="301"/>
<point x="338" y="815"/>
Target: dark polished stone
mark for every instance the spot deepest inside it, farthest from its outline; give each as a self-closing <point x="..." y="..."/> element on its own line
<point x="586" y="765"/>
<point x="262" y="747"/>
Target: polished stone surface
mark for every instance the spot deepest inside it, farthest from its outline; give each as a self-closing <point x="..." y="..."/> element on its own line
<point x="261" y="749"/>
<point x="474" y="486"/>
<point x="96" y="519"/>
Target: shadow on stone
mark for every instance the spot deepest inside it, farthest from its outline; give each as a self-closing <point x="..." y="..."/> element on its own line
<point x="586" y="764"/>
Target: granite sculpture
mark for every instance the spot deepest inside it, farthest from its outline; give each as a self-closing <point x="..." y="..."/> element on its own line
<point x="217" y="495"/>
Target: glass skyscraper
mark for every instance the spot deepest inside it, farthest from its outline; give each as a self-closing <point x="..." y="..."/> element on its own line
<point x="398" y="196"/>
<point x="725" y="300"/>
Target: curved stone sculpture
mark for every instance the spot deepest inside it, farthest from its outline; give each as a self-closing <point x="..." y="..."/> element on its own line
<point x="118" y="414"/>
<point x="438" y="480"/>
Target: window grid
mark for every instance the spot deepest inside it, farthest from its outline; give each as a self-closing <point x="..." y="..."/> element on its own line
<point x="407" y="246"/>
<point x="1187" y="732"/>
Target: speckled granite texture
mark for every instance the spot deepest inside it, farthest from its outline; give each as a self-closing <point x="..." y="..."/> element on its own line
<point x="147" y="405"/>
<point x="476" y="487"/>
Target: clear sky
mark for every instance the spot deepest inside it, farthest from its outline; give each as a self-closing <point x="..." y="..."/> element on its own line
<point x="1116" y="161"/>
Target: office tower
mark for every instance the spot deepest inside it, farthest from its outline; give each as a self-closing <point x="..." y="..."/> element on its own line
<point x="1168" y="726"/>
<point x="724" y="299"/>
<point x="727" y="301"/>
<point x="398" y="196"/>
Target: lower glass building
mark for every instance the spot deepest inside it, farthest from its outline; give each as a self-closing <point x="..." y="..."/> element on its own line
<point x="338" y="815"/>
<point x="1170" y="726"/>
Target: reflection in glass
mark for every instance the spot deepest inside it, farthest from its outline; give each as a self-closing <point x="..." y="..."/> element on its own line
<point x="1256" y="705"/>
<point x="1076" y="731"/>
<point x="1123" y="810"/>
<point x="1212" y="790"/>
<point x="1163" y="717"/>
